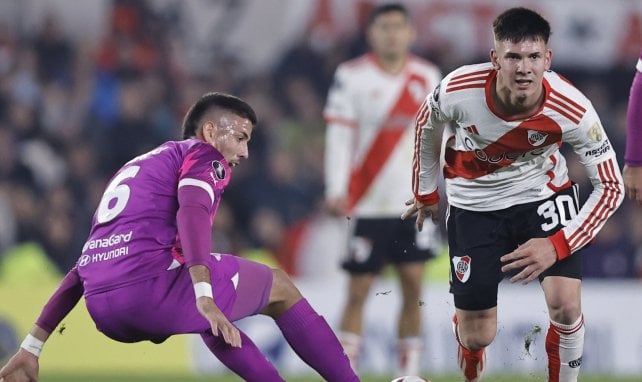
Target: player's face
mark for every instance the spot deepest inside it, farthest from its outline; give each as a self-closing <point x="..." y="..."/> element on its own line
<point x="390" y="35"/>
<point x="520" y="71"/>
<point x="229" y="134"/>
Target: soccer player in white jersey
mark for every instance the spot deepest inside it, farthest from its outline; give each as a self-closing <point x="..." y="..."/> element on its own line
<point x="512" y="207"/>
<point x="633" y="158"/>
<point x="370" y="114"/>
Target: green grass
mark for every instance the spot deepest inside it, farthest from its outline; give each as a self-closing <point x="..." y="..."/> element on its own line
<point x="229" y="378"/>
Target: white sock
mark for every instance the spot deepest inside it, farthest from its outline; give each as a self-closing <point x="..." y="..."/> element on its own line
<point x="351" y="343"/>
<point x="564" y="346"/>
<point x="409" y="351"/>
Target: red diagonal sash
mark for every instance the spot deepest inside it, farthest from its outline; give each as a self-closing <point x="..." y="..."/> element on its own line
<point x="398" y="120"/>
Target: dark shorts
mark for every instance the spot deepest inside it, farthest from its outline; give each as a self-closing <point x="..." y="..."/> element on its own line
<point x="158" y="308"/>
<point x="377" y="242"/>
<point x="477" y="240"/>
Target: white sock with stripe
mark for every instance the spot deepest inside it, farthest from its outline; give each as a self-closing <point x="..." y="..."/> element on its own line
<point x="564" y="346"/>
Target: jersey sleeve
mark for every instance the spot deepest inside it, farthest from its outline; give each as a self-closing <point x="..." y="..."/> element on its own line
<point x="61" y="302"/>
<point x="633" y="154"/>
<point x="429" y="124"/>
<point x="202" y="179"/>
<point x="341" y="121"/>
<point x="591" y="144"/>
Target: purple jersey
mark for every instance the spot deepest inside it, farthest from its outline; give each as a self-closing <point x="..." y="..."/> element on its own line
<point x="134" y="234"/>
<point x="633" y="154"/>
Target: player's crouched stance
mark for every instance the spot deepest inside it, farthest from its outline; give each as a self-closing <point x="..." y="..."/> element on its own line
<point x="147" y="273"/>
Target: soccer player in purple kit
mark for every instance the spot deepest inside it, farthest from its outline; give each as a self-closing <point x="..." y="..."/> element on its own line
<point x="632" y="172"/>
<point x="147" y="273"/>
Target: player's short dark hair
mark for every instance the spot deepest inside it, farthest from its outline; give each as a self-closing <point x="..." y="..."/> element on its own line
<point x="519" y="24"/>
<point x="387" y="8"/>
<point x="213" y="101"/>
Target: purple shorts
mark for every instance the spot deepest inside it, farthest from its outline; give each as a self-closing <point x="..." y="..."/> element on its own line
<point x="158" y="308"/>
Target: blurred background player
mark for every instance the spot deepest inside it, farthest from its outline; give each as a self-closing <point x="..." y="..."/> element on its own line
<point x="369" y="113"/>
<point x="512" y="207"/>
<point x="632" y="172"/>
<point x="147" y="273"/>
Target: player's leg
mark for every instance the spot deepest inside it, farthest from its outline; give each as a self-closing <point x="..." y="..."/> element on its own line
<point x="158" y="308"/>
<point x="474" y="331"/>
<point x="306" y="331"/>
<point x="476" y="242"/>
<point x="410" y="344"/>
<point x="565" y="336"/>
<point x="352" y="316"/>
<point x="270" y="291"/>
<point x="409" y="250"/>
<point x="368" y="251"/>
<point x="247" y="361"/>
<point x="562" y="290"/>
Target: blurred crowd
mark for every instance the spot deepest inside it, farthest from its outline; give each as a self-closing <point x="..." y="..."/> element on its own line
<point x="71" y="115"/>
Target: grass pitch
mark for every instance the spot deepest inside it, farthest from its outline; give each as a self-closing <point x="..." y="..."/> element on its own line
<point x="230" y="378"/>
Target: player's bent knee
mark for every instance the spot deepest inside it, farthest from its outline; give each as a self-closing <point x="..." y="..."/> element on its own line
<point x="477" y="341"/>
<point x="565" y="313"/>
<point x="283" y="290"/>
<point x="477" y="334"/>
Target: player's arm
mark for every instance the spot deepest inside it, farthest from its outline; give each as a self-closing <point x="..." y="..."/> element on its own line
<point x="23" y="366"/>
<point x="595" y="151"/>
<point x="598" y="157"/>
<point x="341" y="127"/>
<point x="633" y="157"/>
<point x="429" y="127"/>
<point x="196" y="199"/>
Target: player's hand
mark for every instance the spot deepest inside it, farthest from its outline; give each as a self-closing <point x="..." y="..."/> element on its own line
<point x="22" y="367"/>
<point x="633" y="183"/>
<point x="422" y="211"/>
<point x="535" y="256"/>
<point x="337" y="207"/>
<point x="218" y="321"/>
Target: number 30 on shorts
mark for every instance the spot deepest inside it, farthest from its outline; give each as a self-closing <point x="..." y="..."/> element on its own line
<point x="562" y="210"/>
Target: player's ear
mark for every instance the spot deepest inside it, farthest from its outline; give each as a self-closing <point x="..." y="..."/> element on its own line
<point x="207" y="130"/>
<point x="494" y="60"/>
<point x="549" y="58"/>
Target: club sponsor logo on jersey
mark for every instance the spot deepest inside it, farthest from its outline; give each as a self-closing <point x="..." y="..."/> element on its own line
<point x="536" y="138"/>
<point x="461" y="265"/>
<point x="219" y="169"/>
<point x="110" y="241"/>
<point x="84" y="260"/>
<point x="603" y="149"/>
<point x="595" y="132"/>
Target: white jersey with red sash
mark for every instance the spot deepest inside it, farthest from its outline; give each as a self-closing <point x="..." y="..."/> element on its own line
<point x="493" y="162"/>
<point x="370" y="115"/>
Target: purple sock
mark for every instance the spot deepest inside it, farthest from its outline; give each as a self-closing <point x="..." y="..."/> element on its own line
<point x="314" y="341"/>
<point x="247" y="361"/>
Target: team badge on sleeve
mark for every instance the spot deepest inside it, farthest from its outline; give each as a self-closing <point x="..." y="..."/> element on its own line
<point x="462" y="267"/>
<point x="595" y="132"/>
<point x="219" y="169"/>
